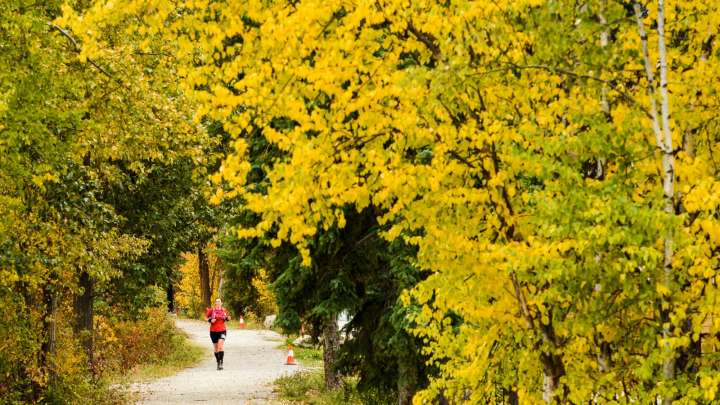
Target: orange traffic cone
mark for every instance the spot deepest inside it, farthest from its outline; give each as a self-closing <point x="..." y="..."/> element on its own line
<point x="242" y="323"/>
<point x="291" y="356"/>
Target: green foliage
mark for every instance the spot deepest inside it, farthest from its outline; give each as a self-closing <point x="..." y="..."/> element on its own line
<point x="308" y="357"/>
<point x="98" y="160"/>
<point x="241" y="266"/>
<point x="381" y="351"/>
<point x="571" y="235"/>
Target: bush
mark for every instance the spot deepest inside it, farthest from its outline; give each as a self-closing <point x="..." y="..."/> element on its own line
<point x="146" y="348"/>
<point x="143" y="349"/>
<point x="121" y="345"/>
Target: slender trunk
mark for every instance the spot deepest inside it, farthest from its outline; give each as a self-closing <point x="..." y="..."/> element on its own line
<point x="407" y="380"/>
<point x="553" y="366"/>
<point x="603" y="355"/>
<point x="547" y="388"/>
<point x="513" y="398"/>
<point x="49" y="347"/>
<point x="84" y="316"/>
<point x="212" y="271"/>
<point x="553" y="370"/>
<point x="331" y="343"/>
<point x="170" y="293"/>
<point x="663" y="139"/>
<point x="28" y="303"/>
<point x="668" y="162"/>
<point x="650" y="78"/>
<point x="604" y="36"/>
<point x="204" y="269"/>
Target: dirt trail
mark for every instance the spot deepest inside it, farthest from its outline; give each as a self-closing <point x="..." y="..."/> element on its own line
<point x="252" y="363"/>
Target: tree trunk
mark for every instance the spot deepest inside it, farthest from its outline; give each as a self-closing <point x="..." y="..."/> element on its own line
<point x="553" y="370"/>
<point x="84" y="316"/>
<point x="331" y="343"/>
<point x="553" y="366"/>
<point x="170" y="293"/>
<point x="668" y="163"/>
<point x="28" y="302"/>
<point x="204" y="269"/>
<point x="663" y="140"/>
<point x="407" y="381"/>
<point x="48" y="348"/>
<point x="513" y="398"/>
<point x="603" y="356"/>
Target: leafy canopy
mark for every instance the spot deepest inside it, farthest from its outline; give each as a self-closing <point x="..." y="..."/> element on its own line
<point x="509" y="141"/>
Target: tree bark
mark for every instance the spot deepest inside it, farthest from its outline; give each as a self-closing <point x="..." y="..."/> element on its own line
<point x="668" y="162"/>
<point x="204" y="269"/>
<point x="84" y="316"/>
<point x="553" y="366"/>
<point x="407" y="381"/>
<point x="170" y="293"/>
<point x="663" y="140"/>
<point x="49" y="347"/>
<point x="603" y="356"/>
<point x="553" y="370"/>
<point x="331" y="343"/>
<point x="513" y="398"/>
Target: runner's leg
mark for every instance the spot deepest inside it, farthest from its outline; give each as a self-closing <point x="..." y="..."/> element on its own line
<point x="221" y="351"/>
<point x="216" y="342"/>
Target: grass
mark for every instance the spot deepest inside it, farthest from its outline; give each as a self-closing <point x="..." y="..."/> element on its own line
<point x="250" y="323"/>
<point x="308" y="388"/>
<point x="308" y="357"/>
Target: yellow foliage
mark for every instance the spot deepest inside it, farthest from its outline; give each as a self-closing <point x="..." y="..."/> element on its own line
<point x="187" y="295"/>
<point x="266" y="298"/>
<point x="507" y="141"/>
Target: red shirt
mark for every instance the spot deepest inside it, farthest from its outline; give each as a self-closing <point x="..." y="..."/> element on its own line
<point x="220" y="315"/>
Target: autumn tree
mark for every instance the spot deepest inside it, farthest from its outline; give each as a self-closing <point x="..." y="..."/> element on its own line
<point x="553" y="162"/>
<point x="80" y="139"/>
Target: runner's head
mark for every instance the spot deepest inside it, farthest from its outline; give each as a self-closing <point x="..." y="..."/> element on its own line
<point x="218" y="303"/>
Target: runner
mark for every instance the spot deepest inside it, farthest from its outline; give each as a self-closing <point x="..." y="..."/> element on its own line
<point x="217" y="317"/>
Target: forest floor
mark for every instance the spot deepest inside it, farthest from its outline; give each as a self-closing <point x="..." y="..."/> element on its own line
<point x="253" y="361"/>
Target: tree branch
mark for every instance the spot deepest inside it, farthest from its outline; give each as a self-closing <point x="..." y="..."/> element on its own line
<point x="521" y="300"/>
<point x="78" y="49"/>
<point x="427" y="39"/>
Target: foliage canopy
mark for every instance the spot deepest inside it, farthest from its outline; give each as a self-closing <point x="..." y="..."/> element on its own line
<point x="513" y="143"/>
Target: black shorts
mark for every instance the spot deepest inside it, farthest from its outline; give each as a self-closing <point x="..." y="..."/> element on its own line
<point x="215" y="336"/>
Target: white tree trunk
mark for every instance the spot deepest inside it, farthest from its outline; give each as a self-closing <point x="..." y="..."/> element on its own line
<point x="663" y="139"/>
<point x="651" y="79"/>
<point x="547" y="388"/>
<point x="668" y="162"/>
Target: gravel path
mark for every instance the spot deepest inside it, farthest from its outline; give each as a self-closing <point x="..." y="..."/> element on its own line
<point x="252" y="363"/>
